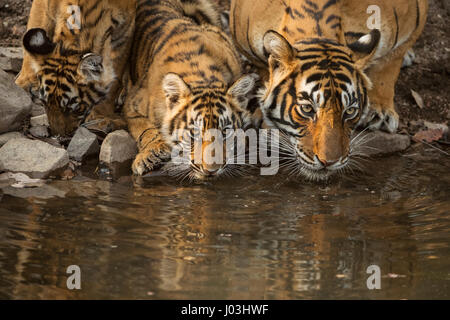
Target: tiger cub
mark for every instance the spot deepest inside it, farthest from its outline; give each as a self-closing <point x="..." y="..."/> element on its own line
<point x="186" y="82"/>
<point x="75" y="54"/>
<point x="323" y="67"/>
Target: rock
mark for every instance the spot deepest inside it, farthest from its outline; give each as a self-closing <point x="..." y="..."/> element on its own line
<point x="15" y="104"/>
<point x="36" y="159"/>
<point x="11" y="59"/>
<point x="436" y="126"/>
<point x="379" y="143"/>
<point x="41" y="120"/>
<point x="39" y="132"/>
<point x="11" y="52"/>
<point x="4" y="138"/>
<point x="118" y="147"/>
<point x="46" y="192"/>
<point x="37" y="110"/>
<point x="83" y="144"/>
<point x="20" y="180"/>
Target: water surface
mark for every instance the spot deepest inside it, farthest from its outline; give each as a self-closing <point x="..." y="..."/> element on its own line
<point x="248" y="238"/>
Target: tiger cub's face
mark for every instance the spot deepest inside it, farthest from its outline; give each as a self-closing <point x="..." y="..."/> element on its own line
<point x="69" y="83"/>
<point x="316" y="95"/>
<point x="200" y="123"/>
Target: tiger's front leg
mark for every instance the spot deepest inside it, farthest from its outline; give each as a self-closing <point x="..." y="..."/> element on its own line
<point x="106" y="123"/>
<point x="104" y="116"/>
<point x="153" y="152"/>
<point x="382" y="114"/>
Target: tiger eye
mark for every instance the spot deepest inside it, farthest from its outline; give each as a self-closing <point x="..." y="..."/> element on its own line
<point x="351" y="111"/>
<point x="306" y="108"/>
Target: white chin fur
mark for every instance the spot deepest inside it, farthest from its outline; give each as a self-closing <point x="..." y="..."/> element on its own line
<point x="317" y="171"/>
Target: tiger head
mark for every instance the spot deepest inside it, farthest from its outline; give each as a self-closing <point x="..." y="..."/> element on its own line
<point x="201" y="121"/>
<point x="69" y="82"/>
<point x="316" y="95"/>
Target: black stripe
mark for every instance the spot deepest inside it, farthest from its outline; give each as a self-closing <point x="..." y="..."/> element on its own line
<point x="329" y="4"/>
<point x="418" y="15"/>
<point x="248" y="39"/>
<point x="397" y="28"/>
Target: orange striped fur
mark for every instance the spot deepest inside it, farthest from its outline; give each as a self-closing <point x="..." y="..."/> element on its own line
<point x="74" y="62"/>
<point x="323" y="68"/>
<point x="187" y="75"/>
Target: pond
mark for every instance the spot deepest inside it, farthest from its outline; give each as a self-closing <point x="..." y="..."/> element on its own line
<point x="247" y="238"/>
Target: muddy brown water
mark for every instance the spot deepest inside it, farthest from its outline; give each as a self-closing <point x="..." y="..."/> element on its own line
<point x="248" y="238"/>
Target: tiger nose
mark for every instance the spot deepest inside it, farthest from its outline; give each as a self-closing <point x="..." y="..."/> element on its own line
<point x="326" y="162"/>
<point x="211" y="170"/>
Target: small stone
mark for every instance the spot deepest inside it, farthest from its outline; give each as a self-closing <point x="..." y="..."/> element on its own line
<point x="35" y="158"/>
<point x="11" y="59"/>
<point x="37" y="110"/>
<point x="41" y="120"/>
<point x="4" y="138"/>
<point x="83" y="144"/>
<point x="67" y="175"/>
<point x="384" y="143"/>
<point x="39" y="131"/>
<point x="20" y="180"/>
<point x="15" y="104"/>
<point x="118" y="147"/>
<point x="436" y="126"/>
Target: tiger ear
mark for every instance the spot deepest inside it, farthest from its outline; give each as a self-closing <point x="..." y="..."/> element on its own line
<point x="242" y="88"/>
<point x="174" y="88"/>
<point x="37" y="42"/>
<point x="91" y="67"/>
<point x="279" y="49"/>
<point x="365" y="48"/>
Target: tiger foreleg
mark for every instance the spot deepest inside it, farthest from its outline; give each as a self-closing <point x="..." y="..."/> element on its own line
<point x="381" y="114"/>
<point x="153" y="150"/>
<point x="103" y="117"/>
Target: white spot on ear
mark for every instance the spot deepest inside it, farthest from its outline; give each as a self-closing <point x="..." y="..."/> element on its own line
<point x="37" y="40"/>
<point x="365" y="39"/>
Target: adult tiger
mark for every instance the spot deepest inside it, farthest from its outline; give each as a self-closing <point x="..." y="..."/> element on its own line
<point x="186" y="78"/>
<point x="76" y="52"/>
<point x="322" y="66"/>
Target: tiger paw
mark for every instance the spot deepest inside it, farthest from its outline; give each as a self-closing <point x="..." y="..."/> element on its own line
<point x="105" y="125"/>
<point x="151" y="159"/>
<point x="409" y="58"/>
<point x="378" y="118"/>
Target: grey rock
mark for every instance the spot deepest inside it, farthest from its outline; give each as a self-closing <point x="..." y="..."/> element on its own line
<point x="379" y="143"/>
<point x="4" y="138"/>
<point x="15" y="104"/>
<point x="83" y="144"/>
<point x="46" y="192"/>
<point x="11" y="59"/>
<point x="41" y="120"/>
<point x="20" y="180"/>
<point x="39" y="131"/>
<point x="118" y="147"/>
<point x="37" y="110"/>
<point x="36" y="159"/>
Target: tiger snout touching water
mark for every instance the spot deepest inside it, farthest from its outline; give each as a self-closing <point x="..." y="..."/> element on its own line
<point x="326" y="72"/>
<point x="186" y="83"/>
